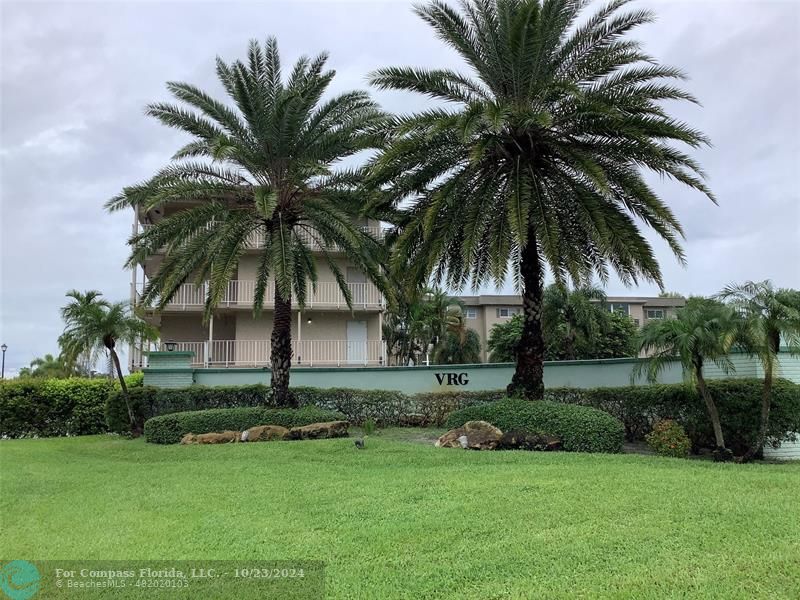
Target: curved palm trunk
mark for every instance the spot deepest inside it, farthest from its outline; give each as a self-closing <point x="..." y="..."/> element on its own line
<point x="766" y="400"/>
<point x="136" y="430"/>
<point x="528" y="380"/>
<point x="721" y="453"/>
<point x="281" y="352"/>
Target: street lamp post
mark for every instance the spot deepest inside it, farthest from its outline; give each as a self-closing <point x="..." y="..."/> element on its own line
<point x="3" y="368"/>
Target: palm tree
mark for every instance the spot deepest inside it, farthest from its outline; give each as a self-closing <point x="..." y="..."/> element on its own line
<point x="771" y="315"/>
<point x="268" y="172"/>
<point x="51" y="367"/>
<point x="455" y="350"/>
<point x="536" y="161"/>
<point x="96" y="325"/>
<point x="579" y="312"/>
<point x="704" y="330"/>
<point x="75" y="309"/>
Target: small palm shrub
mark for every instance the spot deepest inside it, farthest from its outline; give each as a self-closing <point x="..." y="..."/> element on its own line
<point x="580" y="428"/>
<point x="170" y="428"/>
<point x="669" y="439"/>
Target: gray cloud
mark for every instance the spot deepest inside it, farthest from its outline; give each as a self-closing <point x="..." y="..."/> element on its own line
<point x="76" y="77"/>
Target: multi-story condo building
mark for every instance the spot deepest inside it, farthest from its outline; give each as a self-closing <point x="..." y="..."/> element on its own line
<point x="325" y="333"/>
<point x="485" y="311"/>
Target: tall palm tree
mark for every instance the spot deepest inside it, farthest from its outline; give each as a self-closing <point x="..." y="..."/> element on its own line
<point x="266" y="168"/>
<point x="536" y="159"/>
<point x="771" y="315"/>
<point x="703" y="331"/>
<point x="578" y="311"/>
<point x="96" y="326"/>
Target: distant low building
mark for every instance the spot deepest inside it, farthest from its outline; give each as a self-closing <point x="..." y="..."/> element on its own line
<point x="486" y="310"/>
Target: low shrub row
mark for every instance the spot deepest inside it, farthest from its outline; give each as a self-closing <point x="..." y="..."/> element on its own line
<point x="53" y="407"/>
<point x="147" y="402"/>
<point x="381" y="406"/>
<point x="738" y="401"/>
<point x="170" y="428"/>
<point x="580" y="428"/>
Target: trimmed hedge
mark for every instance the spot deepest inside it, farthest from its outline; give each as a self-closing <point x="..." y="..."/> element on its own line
<point x="148" y="402"/>
<point x="170" y="428"/>
<point x="738" y="401"/>
<point x="53" y="407"/>
<point x="381" y="406"/>
<point x="580" y="428"/>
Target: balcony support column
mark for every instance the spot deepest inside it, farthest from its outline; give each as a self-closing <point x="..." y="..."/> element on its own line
<point x="299" y="337"/>
<point x="210" y="340"/>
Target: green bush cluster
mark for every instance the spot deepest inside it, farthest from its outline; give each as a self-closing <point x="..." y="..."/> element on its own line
<point x="580" y="428"/>
<point x="391" y="407"/>
<point x="738" y="401"/>
<point x="53" y="407"/>
<point x="147" y="402"/>
<point x="381" y="406"/>
<point x="170" y="428"/>
<point x="669" y="439"/>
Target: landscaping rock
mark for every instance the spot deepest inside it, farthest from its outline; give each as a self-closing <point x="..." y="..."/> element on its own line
<point x="475" y="435"/>
<point x="315" y="431"/>
<point x="226" y="437"/>
<point x="523" y="440"/>
<point x="265" y="433"/>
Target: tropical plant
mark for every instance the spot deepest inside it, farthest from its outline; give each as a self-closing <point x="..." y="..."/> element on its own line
<point x="618" y="339"/>
<point x="263" y="169"/>
<point x="537" y="160"/>
<point x="504" y="340"/>
<point x="703" y="331"/>
<point x="771" y="315"/>
<point x="51" y="367"/>
<point x="570" y="317"/>
<point x="95" y="326"/>
<point x="418" y="321"/>
<point x="79" y="303"/>
<point x="459" y="348"/>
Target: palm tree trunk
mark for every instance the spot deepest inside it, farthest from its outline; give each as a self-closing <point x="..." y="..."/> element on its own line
<point x="528" y="380"/>
<point x="720" y="453"/>
<point x="766" y="400"/>
<point x="135" y="429"/>
<point x="281" y="353"/>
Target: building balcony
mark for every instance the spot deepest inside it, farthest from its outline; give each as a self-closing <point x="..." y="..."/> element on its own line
<point x="241" y="293"/>
<point x="256" y="240"/>
<point x="256" y="353"/>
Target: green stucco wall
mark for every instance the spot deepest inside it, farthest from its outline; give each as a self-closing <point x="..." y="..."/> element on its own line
<point x="172" y="369"/>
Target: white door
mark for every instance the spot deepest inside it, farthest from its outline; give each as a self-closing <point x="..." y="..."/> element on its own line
<point x="357" y="282"/>
<point x="357" y="342"/>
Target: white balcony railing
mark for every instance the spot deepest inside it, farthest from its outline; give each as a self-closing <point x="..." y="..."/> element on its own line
<point x="312" y="241"/>
<point x="241" y="293"/>
<point x="308" y="353"/>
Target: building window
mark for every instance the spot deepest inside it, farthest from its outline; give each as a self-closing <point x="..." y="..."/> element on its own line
<point x="654" y="313"/>
<point x="471" y="313"/>
<point x="619" y="307"/>
<point x="506" y="312"/>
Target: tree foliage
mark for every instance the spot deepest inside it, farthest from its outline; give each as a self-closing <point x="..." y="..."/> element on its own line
<point x="262" y="170"/>
<point x="535" y="158"/>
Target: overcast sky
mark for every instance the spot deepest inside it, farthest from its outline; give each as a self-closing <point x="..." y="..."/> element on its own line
<point x="76" y="77"/>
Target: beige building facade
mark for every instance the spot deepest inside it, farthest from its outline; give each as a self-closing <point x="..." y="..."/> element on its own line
<point x="326" y="332"/>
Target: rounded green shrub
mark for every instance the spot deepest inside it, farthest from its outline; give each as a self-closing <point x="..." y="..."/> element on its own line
<point x="170" y="428"/>
<point x="580" y="428"/>
<point x="669" y="439"/>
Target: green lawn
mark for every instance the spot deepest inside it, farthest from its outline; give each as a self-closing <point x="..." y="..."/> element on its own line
<point x="406" y="520"/>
